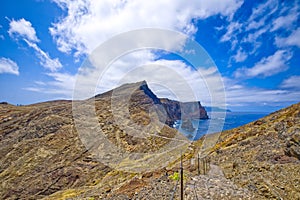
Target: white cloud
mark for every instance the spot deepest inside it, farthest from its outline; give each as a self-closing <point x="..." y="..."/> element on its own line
<point x="256" y="21"/>
<point x="167" y="78"/>
<point x="288" y="17"/>
<point x="91" y="22"/>
<point x="260" y="15"/>
<point x="22" y="28"/>
<point x="88" y="23"/>
<point x="172" y="79"/>
<point x="284" y="21"/>
<point x="244" y="96"/>
<point x="238" y="95"/>
<point x="8" y="66"/>
<point x="45" y="60"/>
<point x="35" y="89"/>
<point x="40" y="83"/>
<point x="240" y="56"/>
<point x="267" y="66"/>
<point x="269" y="20"/>
<point x="291" y="82"/>
<point x="176" y="80"/>
<point x="64" y="81"/>
<point x="292" y="40"/>
<point x="252" y="37"/>
<point x="256" y="24"/>
<point x="62" y="84"/>
<point x="263" y="9"/>
<point x="232" y="29"/>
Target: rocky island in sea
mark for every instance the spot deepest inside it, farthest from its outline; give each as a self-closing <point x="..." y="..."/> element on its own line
<point x="187" y="125"/>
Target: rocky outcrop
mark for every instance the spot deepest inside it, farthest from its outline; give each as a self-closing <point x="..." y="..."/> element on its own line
<point x="293" y="145"/>
<point x="175" y="110"/>
<point x="144" y="87"/>
<point x="187" y="125"/>
<point x="183" y="110"/>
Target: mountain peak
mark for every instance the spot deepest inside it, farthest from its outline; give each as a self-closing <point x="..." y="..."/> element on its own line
<point x="144" y="82"/>
<point x="148" y="91"/>
<point x="140" y="94"/>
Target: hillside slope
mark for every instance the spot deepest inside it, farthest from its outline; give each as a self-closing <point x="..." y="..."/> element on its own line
<point x="263" y="156"/>
<point x="260" y="160"/>
<point x="257" y="161"/>
<point x="42" y="151"/>
<point x="42" y="155"/>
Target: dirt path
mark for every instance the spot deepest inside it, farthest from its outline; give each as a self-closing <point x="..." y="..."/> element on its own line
<point x="214" y="186"/>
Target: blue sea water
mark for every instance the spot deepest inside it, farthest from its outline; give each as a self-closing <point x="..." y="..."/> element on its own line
<point x="219" y="121"/>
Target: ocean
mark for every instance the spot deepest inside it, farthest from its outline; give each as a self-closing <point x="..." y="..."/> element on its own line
<point x="219" y="121"/>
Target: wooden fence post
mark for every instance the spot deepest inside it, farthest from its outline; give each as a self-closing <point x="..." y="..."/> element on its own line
<point x="181" y="179"/>
<point x="198" y="163"/>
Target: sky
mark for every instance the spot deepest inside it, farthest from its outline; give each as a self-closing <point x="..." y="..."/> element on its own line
<point x="253" y="47"/>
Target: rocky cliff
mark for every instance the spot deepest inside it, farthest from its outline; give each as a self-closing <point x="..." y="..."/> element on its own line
<point x="183" y="110"/>
<point x="174" y="110"/>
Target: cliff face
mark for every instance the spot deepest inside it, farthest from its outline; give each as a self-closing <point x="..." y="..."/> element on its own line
<point x="183" y="110"/>
<point x="175" y="110"/>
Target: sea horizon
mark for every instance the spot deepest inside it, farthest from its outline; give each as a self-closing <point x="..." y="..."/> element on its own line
<point x="230" y="120"/>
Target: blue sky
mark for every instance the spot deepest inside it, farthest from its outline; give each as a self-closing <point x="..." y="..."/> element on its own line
<point x="254" y="45"/>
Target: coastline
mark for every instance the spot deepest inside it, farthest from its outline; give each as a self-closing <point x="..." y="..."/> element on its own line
<point x="217" y="124"/>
